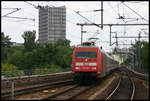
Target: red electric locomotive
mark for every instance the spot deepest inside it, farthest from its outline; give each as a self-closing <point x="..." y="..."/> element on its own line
<point x="91" y="61"/>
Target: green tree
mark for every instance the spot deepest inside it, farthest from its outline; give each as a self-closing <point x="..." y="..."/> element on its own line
<point x="49" y="52"/>
<point x="5" y="40"/>
<point x="64" y="53"/>
<point x="5" y="44"/>
<point x="47" y="69"/>
<point x="17" y="58"/>
<point x="29" y="40"/>
<point x="145" y="55"/>
<point x="4" y="55"/>
<point x="63" y="42"/>
<point x="141" y="49"/>
<point x="64" y="56"/>
<point x="33" y="56"/>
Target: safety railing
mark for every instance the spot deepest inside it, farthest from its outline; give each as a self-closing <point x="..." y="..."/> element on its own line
<point x="19" y="73"/>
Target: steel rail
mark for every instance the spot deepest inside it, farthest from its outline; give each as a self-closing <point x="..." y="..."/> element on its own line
<point x="59" y="93"/>
<point x="81" y="92"/>
<point x="133" y="88"/>
<point x="35" y="89"/>
<point x="110" y="95"/>
<point x="52" y="97"/>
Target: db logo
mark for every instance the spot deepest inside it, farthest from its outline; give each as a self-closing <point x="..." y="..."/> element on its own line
<point x="86" y="64"/>
<point x="85" y="59"/>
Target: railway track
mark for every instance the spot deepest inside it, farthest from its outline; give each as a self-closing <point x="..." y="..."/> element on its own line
<point x="124" y="90"/>
<point x="70" y="93"/>
<point x="36" y="88"/>
<point x="77" y="91"/>
<point x="63" y="92"/>
<point x="20" y="82"/>
<point x="67" y="90"/>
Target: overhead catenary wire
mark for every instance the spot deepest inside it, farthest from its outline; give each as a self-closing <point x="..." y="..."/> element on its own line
<point x="37" y="7"/>
<point x="9" y="8"/>
<point x="25" y="18"/>
<point x="16" y="9"/>
<point x="48" y="3"/>
<point x="53" y="6"/>
<point x="72" y="22"/>
<point x="19" y="18"/>
<point x="69" y="8"/>
<point x="135" y="12"/>
<point x="89" y="20"/>
<point x="89" y="11"/>
<point x="19" y="22"/>
<point x="118" y="13"/>
<point x="77" y="12"/>
<point x="123" y="17"/>
<point x="132" y="14"/>
<point x="114" y="9"/>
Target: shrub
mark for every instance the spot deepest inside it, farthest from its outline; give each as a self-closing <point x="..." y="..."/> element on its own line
<point x="10" y="70"/>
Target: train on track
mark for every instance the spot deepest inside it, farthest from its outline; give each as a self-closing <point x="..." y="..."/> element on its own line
<point x="90" y="61"/>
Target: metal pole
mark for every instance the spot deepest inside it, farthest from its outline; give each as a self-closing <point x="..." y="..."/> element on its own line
<point x="81" y="33"/>
<point x="139" y="49"/>
<point x="116" y="40"/>
<point x="12" y="90"/>
<point x="134" y="60"/>
<point x="101" y="14"/>
<point x="110" y="35"/>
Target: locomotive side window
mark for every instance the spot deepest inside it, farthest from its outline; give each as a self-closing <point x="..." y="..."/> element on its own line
<point x="86" y="55"/>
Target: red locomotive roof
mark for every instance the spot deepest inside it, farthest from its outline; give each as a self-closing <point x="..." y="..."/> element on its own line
<point x="86" y="48"/>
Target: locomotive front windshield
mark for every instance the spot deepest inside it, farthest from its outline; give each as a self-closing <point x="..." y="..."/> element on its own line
<point x="82" y="55"/>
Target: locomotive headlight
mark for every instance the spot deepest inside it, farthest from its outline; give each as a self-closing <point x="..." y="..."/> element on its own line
<point x="77" y="67"/>
<point x="92" y="64"/>
<point x="79" y="64"/>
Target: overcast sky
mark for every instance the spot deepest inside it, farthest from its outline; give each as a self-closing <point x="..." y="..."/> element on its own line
<point x="15" y="27"/>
